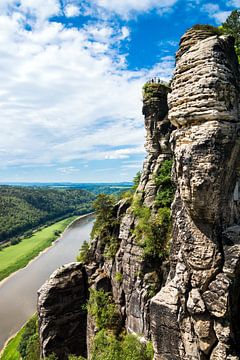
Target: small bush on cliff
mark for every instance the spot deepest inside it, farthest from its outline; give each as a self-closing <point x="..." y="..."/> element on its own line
<point x="106" y="224"/>
<point x="101" y="306"/>
<point x="163" y="180"/>
<point x="153" y="231"/>
<point x="84" y="253"/>
<point x="212" y="29"/>
<point x="107" y="347"/>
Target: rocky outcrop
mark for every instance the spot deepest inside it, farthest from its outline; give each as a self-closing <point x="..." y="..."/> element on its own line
<point x="194" y="316"/>
<point x="133" y="279"/>
<point x="188" y="302"/>
<point x="62" y="318"/>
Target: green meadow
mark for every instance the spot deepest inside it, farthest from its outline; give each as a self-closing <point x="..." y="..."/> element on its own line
<point x="15" y="257"/>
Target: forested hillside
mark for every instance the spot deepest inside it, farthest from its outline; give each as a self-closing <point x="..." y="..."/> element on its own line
<point x="24" y="208"/>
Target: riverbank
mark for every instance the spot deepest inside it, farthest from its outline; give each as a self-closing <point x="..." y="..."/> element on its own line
<point x="18" y="292"/>
<point x="16" y="257"/>
<point x="10" y="350"/>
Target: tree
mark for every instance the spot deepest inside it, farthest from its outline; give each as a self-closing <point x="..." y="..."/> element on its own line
<point x="232" y="27"/>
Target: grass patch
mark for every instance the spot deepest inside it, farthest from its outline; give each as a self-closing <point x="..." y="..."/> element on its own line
<point x="10" y="352"/>
<point x="15" y="257"/>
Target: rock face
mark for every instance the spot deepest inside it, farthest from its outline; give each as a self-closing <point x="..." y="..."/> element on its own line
<point x="138" y="276"/>
<point x="189" y="305"/>
<point x="195" y="316"/>
<point x="62" y="319"/>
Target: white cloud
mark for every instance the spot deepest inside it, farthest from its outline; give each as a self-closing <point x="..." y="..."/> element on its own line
<point x="65" y="93"/>
<point x="71" y="10"/>
<point x="125" y="8"/>
<point x="235" y="3"/>
<point x="214" y="12"/>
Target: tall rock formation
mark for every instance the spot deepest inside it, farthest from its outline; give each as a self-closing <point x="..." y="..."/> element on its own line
<point x="139" y="277"/>
<point x="62" y="319"/>
<point x="187" y="301"/>
<point x="196" y="314"/>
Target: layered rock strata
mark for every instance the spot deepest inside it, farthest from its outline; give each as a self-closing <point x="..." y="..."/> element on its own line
<point x="196" y="314"/>
<point x="62" y="318"/>
<point x="138" y="276"/>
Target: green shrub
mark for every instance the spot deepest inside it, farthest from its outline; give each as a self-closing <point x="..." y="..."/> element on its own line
<point x="152" y="89"/>
<point x="107" y="347"/>
<point x="118" y="277"/>
<point x="28" y="339"/>
<point x="51" y="357"/>
<point x="136" y="180"/>
<point x="15" y="241"/>
<point x="84" y="253"/>
<point x="33" y="348"/>
<point x="163" y="180"/>
<point x="212" y="29"/>
<point x="106" y="224"/>
<point x="101" y="306"/>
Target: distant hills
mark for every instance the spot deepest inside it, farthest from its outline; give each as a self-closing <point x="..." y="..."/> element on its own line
<point x="26" y="206"/>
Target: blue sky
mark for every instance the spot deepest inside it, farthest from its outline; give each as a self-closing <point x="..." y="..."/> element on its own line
<point x="71" y="73"/>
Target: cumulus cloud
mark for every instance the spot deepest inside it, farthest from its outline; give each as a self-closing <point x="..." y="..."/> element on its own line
<point x="71" y="10"/>
<point x="65" y="92"/>
<point x="128" y="8"/>
<point x="214" y="12"/>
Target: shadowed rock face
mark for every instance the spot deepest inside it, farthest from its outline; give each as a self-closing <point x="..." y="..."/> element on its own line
<point x="62" y="320"/>
<point x="192" y="316"/>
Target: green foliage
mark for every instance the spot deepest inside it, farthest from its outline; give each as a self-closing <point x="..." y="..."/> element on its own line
<point x="163" y="180"/>
<point x="33" y="349"/>
<point x="212" y="29"/>
<point x="152" y="89"/>
<point x="29" y="343"/>
<point x="136" y="180"/>
<point x="15" y="241"/>
<point x="153" y="231"/>
<point x="106" y="224"/>
<point x="73" y="357"/>
<point x="51" y="357"/>
<point x="25" y="208"/>
<point x="118" y="276"/>
<point x="84" y="253"/>
<point x="108" y="347"/>
<point x="232" y="27"/>
<point x="101" y="306"/>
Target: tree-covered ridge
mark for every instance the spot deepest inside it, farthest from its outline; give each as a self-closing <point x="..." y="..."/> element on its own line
<point x="23" y="208"/>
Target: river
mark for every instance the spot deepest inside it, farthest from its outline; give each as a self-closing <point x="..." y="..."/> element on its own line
<point x="18" y="293"/>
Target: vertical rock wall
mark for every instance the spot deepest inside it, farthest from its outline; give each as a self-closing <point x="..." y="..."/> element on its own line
<point x="131" y="293"/>
<point x="62" y="319"/>
<point x="194" y="316"/>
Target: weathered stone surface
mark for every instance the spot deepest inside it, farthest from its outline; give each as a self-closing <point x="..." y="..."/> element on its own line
<point x="205" y="272"/>
<point x="195" y="312"/>
<point x="195" y="304"/>
<point x="62" y="320"/>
